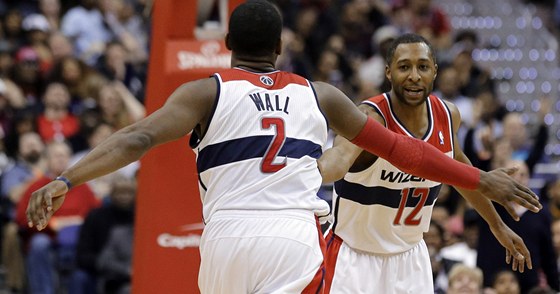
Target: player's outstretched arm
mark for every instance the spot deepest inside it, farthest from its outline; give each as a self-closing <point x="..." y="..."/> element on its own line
<point x="336" y="161"/>
<point x="415" y="156"/>
<point x="184" y="109"/>
<point x="514" y="245"/>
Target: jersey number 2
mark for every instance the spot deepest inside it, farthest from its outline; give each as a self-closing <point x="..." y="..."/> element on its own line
<point x="267" y="164"/>
<point x="411" y="219"/>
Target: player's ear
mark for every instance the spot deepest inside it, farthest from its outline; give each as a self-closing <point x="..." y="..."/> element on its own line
<point x="227" y="42"/>
<point x="388" y="73"/>
<point x="278" y="49"/>
<point x="435" y="73"/>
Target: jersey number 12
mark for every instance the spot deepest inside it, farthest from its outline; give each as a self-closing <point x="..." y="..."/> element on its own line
<point x="411" y="219"/>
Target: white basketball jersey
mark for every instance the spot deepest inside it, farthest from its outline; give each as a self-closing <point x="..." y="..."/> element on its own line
<point x="382" y="209"/>
<point x="261" y="145"/>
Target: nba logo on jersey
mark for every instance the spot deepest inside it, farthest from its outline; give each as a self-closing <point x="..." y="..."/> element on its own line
<point x="267" y="80"/>
<point x="440" y="135"/>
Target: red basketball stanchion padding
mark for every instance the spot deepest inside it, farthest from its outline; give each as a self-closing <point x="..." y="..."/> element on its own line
<point x="169" y="212"/>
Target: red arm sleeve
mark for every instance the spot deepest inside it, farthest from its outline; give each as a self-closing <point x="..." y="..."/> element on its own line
<point x="415" y="156"/>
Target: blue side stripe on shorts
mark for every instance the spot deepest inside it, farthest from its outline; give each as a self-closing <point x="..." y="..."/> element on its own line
<point x="380" y="195"/>
<point x="252" y="147"/>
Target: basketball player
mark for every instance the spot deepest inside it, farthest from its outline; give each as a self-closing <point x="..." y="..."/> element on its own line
<point x="257" y="133"/>
<point x="375" y="244"/>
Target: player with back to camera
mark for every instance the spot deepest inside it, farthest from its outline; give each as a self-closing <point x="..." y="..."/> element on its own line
<point x="257" y="133"/>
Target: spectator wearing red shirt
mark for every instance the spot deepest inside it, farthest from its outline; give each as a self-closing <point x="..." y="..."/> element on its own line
<point x="40" y="266"/>
<point x="56" y="122"/>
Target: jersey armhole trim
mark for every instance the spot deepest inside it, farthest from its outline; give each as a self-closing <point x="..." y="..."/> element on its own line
<point x="196" y="141"/>
<point x="317" y="101"/>
<point x="376" y="108"/>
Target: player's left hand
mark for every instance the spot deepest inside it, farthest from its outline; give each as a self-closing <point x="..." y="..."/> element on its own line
<point x="515" y="248"/>
<point x="498" y="186"/>
<point x="44" y="203"/>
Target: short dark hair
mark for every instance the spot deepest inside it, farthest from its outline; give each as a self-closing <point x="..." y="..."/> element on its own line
<point x="408" y="39"/>
<point x="255" y="28"/>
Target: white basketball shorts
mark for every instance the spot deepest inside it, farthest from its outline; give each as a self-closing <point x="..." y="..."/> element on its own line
<point x="355" y="272"/>
<point x="262" y="252"/>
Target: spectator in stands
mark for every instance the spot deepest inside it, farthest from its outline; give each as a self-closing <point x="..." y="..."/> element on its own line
<point x="355" y="28"/>
<point x="465" y="251"/>
<point x="465" y="280"/>
<point x="556" y="240"/>
<point x="435" y="240"/>
<point x="372" y="70"/>
<point x="13" y="32"/>
<point x="294" y="58"/>
<point x="27" y="75"/>
<point x="11" y="101"/>
<point x="95" y="231"/>
<point x="310" y="17"/>
<point x="84" y="25"/>
<point x="114" y="65"/>
<point x="448" y="88"/>
<point x="50" y="9"/>
<point x="473" y="78"/>
<point x="535" y="229"/>
<point x="28" y="168"/>
<point x="530" y="150"/>
<point x="73" y="73"/>
<point x="60" y="47"/>
<point x="118" y="106"/>
<point x="492" y="143"/>
<point x="553" y="192"/>
<point x="22" y="122"/>
<point x="40" y="267"/>
<point x="480" y="138"/>
<point x="7" y="60"/>
<point x="56" y="122"/>
<point x="424" y="18"/>
<point x="37" y="30"/>
<point x="129" y="29"/>
<point x="506" y="282"/>
<point x="115" y="261"/>
<point x="328" y="70"/>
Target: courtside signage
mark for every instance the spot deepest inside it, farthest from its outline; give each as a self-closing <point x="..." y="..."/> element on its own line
<point x="182" y="240"/>
<point x="182" y="55"/>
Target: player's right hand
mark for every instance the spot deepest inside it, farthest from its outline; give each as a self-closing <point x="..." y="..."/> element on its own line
<point x="499" y="187"/>
<point x="44" y="203"/>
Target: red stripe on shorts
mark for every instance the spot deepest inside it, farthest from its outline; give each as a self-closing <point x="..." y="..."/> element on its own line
<point x="332" y="254"/>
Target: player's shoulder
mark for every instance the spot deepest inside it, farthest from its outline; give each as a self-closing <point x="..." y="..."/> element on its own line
<point x="195" y="93"/>
<point x="445" y="107"/>
<point x="200" y="86"/>
<point x="378" y="104"/>
<point x="377" y="99"/>
<point x="435" y="99"/>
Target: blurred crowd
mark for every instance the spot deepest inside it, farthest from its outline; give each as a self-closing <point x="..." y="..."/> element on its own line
<point x="72" y="72"/>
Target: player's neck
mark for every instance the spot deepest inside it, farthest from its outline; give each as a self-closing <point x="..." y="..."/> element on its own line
<point x="254" y="64"/>
<point x="258" y="69"/>
<point x="413" y="117"/>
